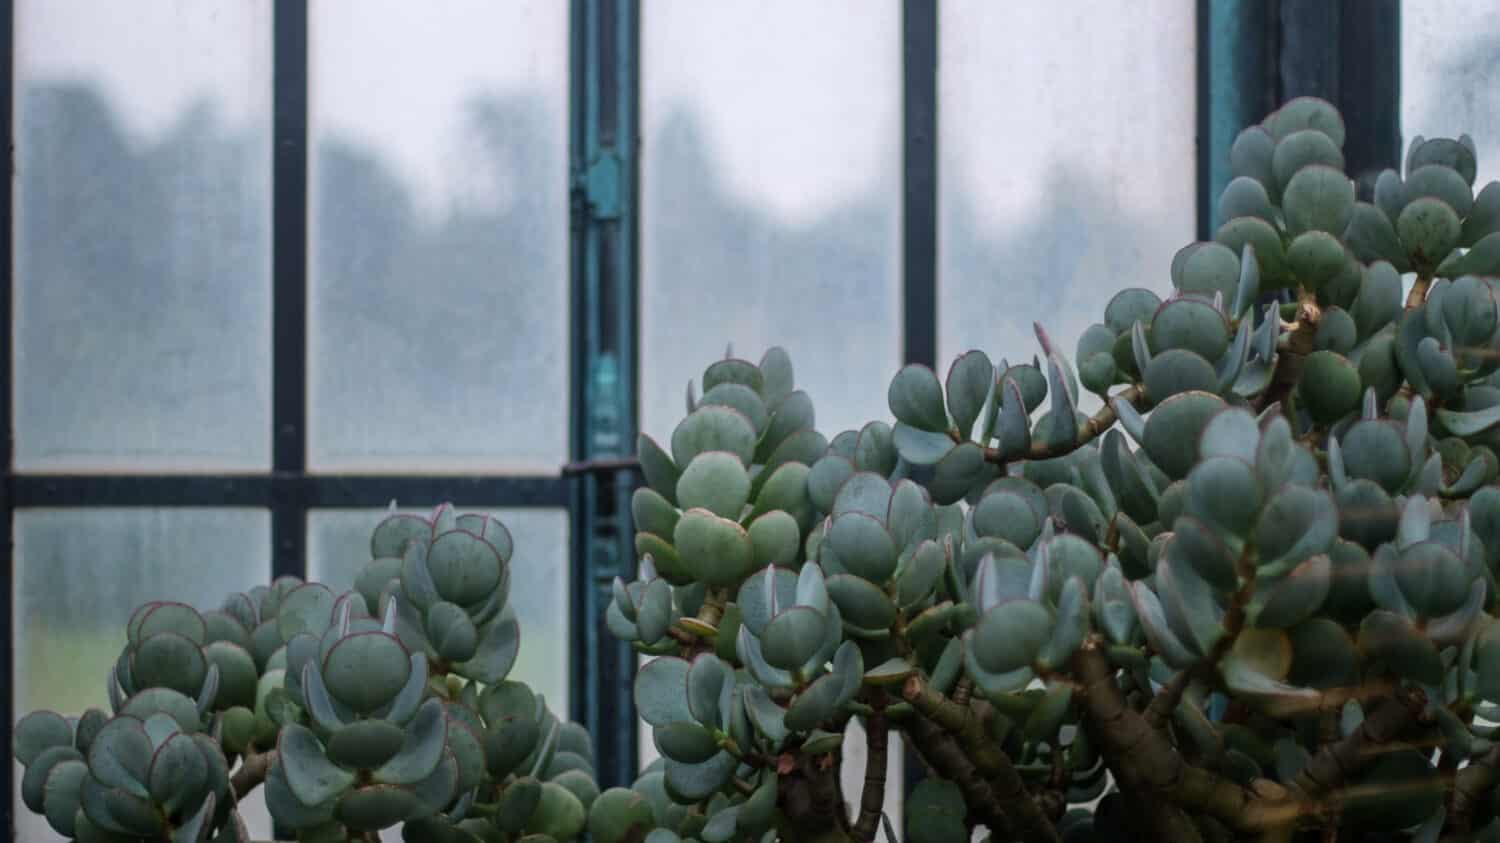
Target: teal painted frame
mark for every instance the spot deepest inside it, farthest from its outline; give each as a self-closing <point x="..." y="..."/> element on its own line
<point x="605" y="46"/>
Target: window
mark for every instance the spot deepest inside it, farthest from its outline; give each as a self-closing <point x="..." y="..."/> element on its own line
<point x="266" y="275"/>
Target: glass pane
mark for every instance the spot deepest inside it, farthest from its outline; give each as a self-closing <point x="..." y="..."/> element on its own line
<point x="79" y="574"/>
<point x="439" y="249"/>
<point x="142" y="296"/>
<point x="338" y="546"/>
<point x="771" y="198"/>
<point x="1450" y="56"/>
<point x="1063" y="175"/>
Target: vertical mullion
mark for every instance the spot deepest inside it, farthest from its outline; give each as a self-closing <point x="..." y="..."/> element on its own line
<point x="7" y="101"/>
<point x="919" y="140"/>
<point x="1349" y="53"/>
<point x="289" y="289"/>
<point x="605" y="46"/>
<point x="919" y="50"/>
<point x="1236" y="88"/>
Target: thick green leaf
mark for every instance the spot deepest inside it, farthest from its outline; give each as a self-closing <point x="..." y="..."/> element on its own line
<point x="1317" y="198"/>
<point x="1009" y="636"/>
<point x="661" y="694"/>
<point x="935" y="813"/>
<point x="792" y="637"/>
<point x="713" y="428"/>
<point x="464" y="568"/>
<point x="686" y="742"/>
<point x="921" y="447"/>
<point x="861" y="603"/>
<point x="365" y="744"/>
<point x="1300" y="149"/>
<point x="366" y="670"/>
<point x="1289" y="600"/>
<point x="863" y="545"/>
<point x="916" y="398"/>
<point x="717" y="550"/>
<point x="970" y="381"/>
<point x="660" y="472"/>
<point x="38" y="732"/>
<point x="1429" y="228"/>
<point x="376" y="807"/>
<point x="715" y="481"/>
<point x="120" y="756"/>
<point x="814" y="704"/>
<point x="1173" y="430"/>
<point x="706" y="678"/>
<point x="422" y="750"/>
<point x="313" y="779"/>
<point x="1391" y="638"/>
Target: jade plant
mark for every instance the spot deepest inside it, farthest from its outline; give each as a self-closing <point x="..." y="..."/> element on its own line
<point x="359" y="710"/>
<point x="1253" y="596"/>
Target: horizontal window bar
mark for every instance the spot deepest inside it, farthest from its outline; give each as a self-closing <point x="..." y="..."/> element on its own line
<point x="268" y="490"/>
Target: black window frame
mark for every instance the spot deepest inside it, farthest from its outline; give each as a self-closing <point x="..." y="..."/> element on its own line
<point x="1251" y="55"/>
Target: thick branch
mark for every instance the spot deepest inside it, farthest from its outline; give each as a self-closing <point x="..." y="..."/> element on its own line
<point x="872" y="800"/>
<point x="252" y="771"/>
<point x="1418" y="295"/>
<point x="989" y="759"/>
<point x="1165" y="702"/>
<point x="1092" y="429"/>
<point x="1469" y="786"/>
<point x="942" y="754"/>
<point x="1145" y="761"/>
<point x="1289" y="358"/>
<point x="1336" y="762"/>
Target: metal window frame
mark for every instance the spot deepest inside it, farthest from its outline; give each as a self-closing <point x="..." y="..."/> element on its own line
<point x="1251" y="54"/>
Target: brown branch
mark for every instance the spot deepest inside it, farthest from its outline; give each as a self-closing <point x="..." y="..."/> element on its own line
<point x="1165" y="702"/>
<point x="1148" y="765"/>
<point x="252" y="771"/>
<point x="1160" y="709"/>
<point x="1336" y="762"/>
<point x="1470" y="786"/>
<point x="1418" y="294"/>
<point x="1289" y="360"/>
<point x="1096" y="425"/>
<point x="941" y="753"/>
<point x="963" y="690"/>
<point x="872" y="800"/>
<point x="989" y="759"/>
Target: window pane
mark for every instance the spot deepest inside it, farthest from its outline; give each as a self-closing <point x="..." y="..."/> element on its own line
<point x="142" y="296"/>
<point x="439" y="248"/>
<point x="1063" y="175"/>
<point x="80" y="573"/>
<point x="1450" y="57"/>
<point x="771" y="198"/>
<point x="338" y="547"/>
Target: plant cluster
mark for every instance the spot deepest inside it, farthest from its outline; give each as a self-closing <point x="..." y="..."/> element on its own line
<point x="1252" y="597"/>
<point x="384" y="704"/>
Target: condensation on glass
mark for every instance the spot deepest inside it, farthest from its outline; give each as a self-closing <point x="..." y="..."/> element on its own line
<point x="438" y="248"/>
<point x="1450" y="59"/>
<point x="1064" y="174"/>
<point x="771" y="198"/>
<point x="80" y="573"/>
<point x="338" y="547"/>
<point x="142" y="235"/>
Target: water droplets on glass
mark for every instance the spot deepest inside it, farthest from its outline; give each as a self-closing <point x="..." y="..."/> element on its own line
<point x="142" y="233"/>
<point x="438" y="220"/>
<point x="771" y="198"/>
<point x="1064" y="174"/>
<point x="1450" y="58"/>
